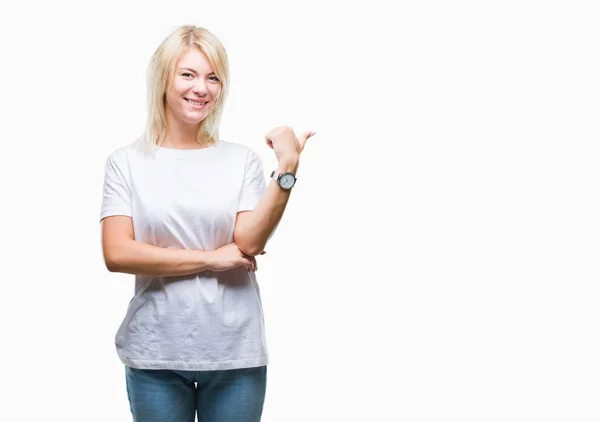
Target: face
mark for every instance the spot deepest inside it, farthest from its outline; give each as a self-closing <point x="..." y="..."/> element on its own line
<point x="194" y="89"/>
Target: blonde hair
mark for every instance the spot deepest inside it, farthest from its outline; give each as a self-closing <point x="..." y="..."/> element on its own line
<point x="161" y="72"/>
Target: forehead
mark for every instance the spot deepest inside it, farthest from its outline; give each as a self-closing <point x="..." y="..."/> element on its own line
<point x="194" y="59"/>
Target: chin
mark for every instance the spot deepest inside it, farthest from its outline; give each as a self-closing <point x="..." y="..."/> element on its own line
<point x="194" y="118"/>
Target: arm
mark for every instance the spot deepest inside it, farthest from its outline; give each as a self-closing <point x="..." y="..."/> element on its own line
<point x="122" y="253"/>
<point x="254" y="228"/>
<point x="125" y="255"/>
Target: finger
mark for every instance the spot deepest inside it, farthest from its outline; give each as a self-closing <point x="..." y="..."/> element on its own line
<point x="304" y="138"/>
<point x="246" y="262"/>
<point x="251" y="262"/>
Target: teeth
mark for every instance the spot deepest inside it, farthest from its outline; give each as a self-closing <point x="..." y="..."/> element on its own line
<point x="196" y="103"/>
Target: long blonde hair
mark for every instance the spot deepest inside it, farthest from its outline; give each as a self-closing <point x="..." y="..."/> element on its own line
<point x="161" y="71"/>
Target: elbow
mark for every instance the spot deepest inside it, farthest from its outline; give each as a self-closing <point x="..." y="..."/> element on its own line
<point x="251" y="250"/>
<point x="112" y="262"/>
<point x="247" y="237"/>
<point x="111" y="265"/>
<point x="247" y="247"/>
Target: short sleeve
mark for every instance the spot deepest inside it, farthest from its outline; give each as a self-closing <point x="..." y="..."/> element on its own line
<point x="254" y="184"/>
<point x="116" y="198"/>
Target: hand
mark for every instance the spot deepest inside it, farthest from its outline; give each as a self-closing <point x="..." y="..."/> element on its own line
<point x="230" y="256"/>
<point x="283" y="141"/>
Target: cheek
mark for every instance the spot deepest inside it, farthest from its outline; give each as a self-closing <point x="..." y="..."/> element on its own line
<point x="171" y="92"/>
<point x="216" y="92"/>
<point x="178" y="89"/>
<point x="175" y="94"/>
<point x="172" y="100"/>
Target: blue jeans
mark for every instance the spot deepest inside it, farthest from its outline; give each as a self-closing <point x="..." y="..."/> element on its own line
<point x="235" y="395"/>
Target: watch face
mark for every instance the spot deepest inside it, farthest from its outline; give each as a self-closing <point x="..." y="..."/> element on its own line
<point x="287" y="180"/>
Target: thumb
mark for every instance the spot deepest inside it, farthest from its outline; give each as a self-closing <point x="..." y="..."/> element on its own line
<point x="304" y="138"/>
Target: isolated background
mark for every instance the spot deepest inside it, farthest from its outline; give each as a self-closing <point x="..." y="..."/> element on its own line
<point x="438" y="260"/>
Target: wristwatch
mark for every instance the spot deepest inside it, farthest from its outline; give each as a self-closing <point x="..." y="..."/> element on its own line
<point x="285" y="180"/>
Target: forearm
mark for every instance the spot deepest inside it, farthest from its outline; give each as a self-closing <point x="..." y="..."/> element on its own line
<point x="252" y="233"/>
<point x="134" y="257"/>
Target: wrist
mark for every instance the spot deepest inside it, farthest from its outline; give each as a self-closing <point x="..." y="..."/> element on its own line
<point x="206" y="260"/>
<point x="288" y="165"/>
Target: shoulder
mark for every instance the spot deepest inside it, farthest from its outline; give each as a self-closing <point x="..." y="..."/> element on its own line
<point x="123" y="155"/>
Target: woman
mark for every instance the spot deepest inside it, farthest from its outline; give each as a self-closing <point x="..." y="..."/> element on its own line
<point x="187" y="213"/>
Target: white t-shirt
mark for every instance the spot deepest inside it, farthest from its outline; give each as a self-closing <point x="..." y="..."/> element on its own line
<point x="188" y="199"/>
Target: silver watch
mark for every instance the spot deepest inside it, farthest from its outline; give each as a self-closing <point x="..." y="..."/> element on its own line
<point x="285" y="180"/>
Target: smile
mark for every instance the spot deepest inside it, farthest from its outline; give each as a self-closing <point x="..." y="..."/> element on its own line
<point x="196" y="104"/>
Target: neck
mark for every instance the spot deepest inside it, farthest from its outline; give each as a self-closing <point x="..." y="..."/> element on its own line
<point x="182" y="136"/>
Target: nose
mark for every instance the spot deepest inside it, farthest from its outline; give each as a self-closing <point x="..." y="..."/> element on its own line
<point x="199" y="89"/>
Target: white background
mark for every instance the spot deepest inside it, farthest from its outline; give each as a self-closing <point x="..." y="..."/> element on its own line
<point x="438" y="260"/>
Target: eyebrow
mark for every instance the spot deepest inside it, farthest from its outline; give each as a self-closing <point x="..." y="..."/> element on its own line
<point x="193" y="71"/>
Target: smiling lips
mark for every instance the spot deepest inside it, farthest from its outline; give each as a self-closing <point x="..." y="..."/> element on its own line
<point x="196" y="104"/>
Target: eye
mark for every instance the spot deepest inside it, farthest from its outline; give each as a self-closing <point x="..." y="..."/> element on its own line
<point x="214" y="78"/>
<point x="187" y="75"/>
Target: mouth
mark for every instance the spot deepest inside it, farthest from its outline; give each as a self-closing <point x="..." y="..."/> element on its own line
<point x="196" y="104"/>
